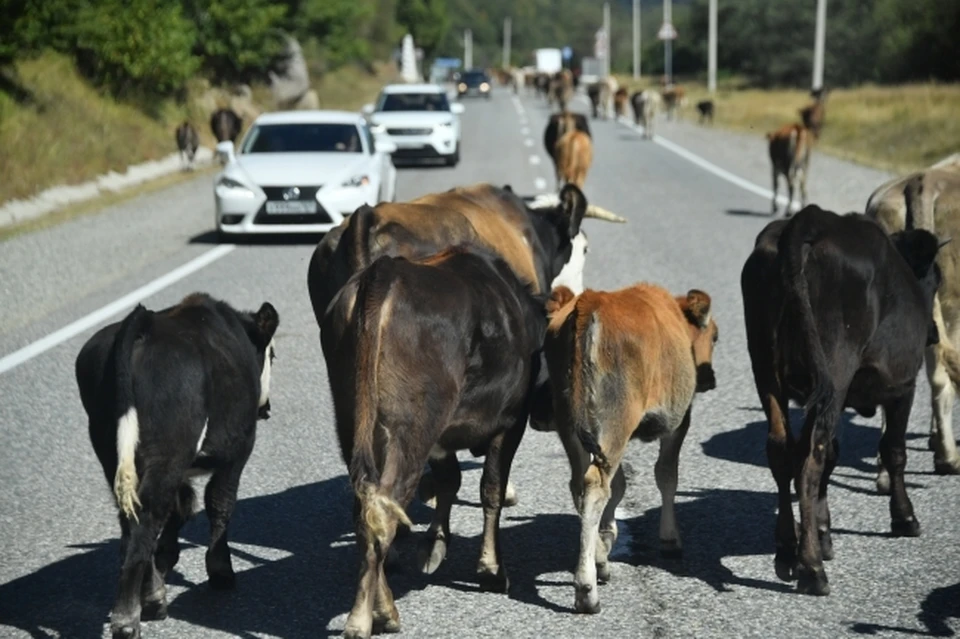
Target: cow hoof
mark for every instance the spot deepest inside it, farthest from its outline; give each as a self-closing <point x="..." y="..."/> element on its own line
<point x="510" y="496"/>
<point x="905" y="527"/>
<point x="785" y="565"/>
<point x="127" y="631"/>
<point x="223" y="581"/>
<point x="153" y="611"/>
<point x="587" y="601"/>
<point x="813" y="582"/>
<point x="384" y="623"/>
<point x="603" y="573"/>
<point x="947" y="467"/>
<point x="883" y="483"/>
<point x="431" y="554"/>
<point x="493" y="582"/>
<point x="355" y="633"/>
<point x="671" y="549"/>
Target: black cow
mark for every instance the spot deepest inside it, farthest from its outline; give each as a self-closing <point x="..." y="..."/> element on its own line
<point x="426" y="358"/>
<point x="837" y="315"/>
<point x="169" y="395"/>
<point x="705" y="107"/>
<point x="593" y="92"/>
<point x="187" y="142"/>
<point x="226" y="125"/>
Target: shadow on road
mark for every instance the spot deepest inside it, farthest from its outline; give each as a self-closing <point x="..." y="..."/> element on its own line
<point x="749" y="213"/>
<point x="273" y="239"/>
<point x="939" y="606"/>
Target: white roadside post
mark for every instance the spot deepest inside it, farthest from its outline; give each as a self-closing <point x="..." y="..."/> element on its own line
<point x="636" y="39"/>
<point x="712" y="49"/>
<point x="506" y="43"/>
<point x="818" y="45"/>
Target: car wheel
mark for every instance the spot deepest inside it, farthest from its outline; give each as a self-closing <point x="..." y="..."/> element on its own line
<point x="454" y="158"/>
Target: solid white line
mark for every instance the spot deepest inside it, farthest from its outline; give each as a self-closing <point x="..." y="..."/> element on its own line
<point x="104" y="313"/>
<point x="534" y="160"/>
<point x="540" y="184"/>
<point x="525" y="131"/>
<point x="709" y="166"/>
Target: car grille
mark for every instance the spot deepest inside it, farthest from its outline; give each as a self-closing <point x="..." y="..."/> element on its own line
<point x="409" y="131"/>
<point x="275" y="194"/>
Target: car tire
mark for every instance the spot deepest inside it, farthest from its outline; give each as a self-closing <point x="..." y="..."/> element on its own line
<point x="454" y="158"/>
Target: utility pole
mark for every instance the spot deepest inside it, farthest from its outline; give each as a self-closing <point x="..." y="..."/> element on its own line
<point x="668" y="43"/>
<point x="606" y="44"/>
<point x="818" y="45"/>
<point x="467" y="49"/>
<point x="712" y="49"/>
<point x="506" y="43"/>
<point x="636" y="39"/>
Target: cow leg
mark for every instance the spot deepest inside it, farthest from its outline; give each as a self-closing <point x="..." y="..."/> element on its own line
<point x="138" y="550"/>
<point x="153" y="592"/>
<point x="776" y="187"/>
<point x="597" y="491"/>
<point x="665" y="472"/>
<point x="893" y="451"/>
<point x="780" y="451"/>
<point x="493" y="488"/>
<point x="791" y="181"/>
<point x="823" y="507"/>
<point x="946" y="460"/>
<point x="433" y="546"/>
<point x="818" y="435"/>
<point x="608" y="526"/>
<point x="360" y="621"/>
<point x="802" y="178"/>
<point x="220" y="498"/>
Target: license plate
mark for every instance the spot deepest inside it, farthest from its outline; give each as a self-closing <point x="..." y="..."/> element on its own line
<point x="291" y="207"/>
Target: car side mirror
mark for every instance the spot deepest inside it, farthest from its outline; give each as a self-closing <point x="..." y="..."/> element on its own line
<point x="386" y="146"/>
<point x="367" y="109"/>
<point x="225" y="152"/>
<point x="456" y="108"/>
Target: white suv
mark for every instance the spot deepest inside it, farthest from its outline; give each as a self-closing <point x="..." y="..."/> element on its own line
<point x="420" y="120"/>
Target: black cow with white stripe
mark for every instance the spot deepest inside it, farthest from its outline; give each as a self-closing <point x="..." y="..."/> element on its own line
<point x="170" y="395"/>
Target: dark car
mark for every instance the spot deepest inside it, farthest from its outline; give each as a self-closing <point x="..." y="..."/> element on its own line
<point x="473" y="83"/>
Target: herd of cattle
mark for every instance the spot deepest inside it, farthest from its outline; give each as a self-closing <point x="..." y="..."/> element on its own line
<point x="451" y="321"/>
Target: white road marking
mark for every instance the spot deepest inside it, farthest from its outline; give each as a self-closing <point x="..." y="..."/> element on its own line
<point x="709" y="166"/>
<point x="528" y="142"/>
<point x="540" y="184"/>
<point x="534" y="160"/>
<point x="525" y="131"/>
<point x="104" y="313"/>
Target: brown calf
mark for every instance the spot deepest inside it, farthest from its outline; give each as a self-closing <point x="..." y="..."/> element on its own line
<point x="789" y="148"/>
<point x="620" y="102"/>
<point x="814" y="114"/>
<point x="574" y="155"/>
<point x="673" y="97"/>
<point x="623" y="365"/>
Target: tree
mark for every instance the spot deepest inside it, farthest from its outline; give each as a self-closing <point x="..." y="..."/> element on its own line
<point x="426" y="21"/>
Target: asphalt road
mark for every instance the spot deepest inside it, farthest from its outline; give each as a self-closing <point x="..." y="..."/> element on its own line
<point x="291" y="533"/>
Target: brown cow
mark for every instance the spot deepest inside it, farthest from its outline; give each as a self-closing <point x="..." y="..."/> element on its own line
<point x="620" y="102"/>
<point x="789" y="148"/>
<point x="557" y="127"/>
<point x="623" y="365"/>
<point x="574" y="155"/>
<point x="674" y="96"/>
<point x="561" y="88"/>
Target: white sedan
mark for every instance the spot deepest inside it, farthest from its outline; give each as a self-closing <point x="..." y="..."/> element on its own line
<point x="301" y="172"/>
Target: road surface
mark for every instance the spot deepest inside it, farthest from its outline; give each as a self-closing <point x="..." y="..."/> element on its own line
<point x="693" y="217"/>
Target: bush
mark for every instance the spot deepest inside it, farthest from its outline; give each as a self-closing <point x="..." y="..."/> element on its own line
<point x="136" y="46"/>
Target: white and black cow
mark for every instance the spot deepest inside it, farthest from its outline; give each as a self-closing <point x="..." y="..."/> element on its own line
<point x="170" y="395"/>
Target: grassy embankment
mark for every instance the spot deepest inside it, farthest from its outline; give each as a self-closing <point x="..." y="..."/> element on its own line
<point x="897" y="128"/>
<point x="57" y="129"/>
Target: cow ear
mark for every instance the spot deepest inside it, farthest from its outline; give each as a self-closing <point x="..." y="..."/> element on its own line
<point x="267" y="321"/>
<point x="696" y="308"/>
<point x="573" y="206"/>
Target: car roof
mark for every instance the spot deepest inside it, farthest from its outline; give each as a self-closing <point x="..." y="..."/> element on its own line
<point x="414" y="88"/>
<point x="309" y="117"/>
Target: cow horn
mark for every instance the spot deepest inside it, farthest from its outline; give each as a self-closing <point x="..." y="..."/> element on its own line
<point x="595" y="211"/>
<point x="944" y="242"/>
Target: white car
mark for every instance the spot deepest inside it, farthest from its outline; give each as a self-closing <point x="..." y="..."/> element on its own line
<point x="420" y="120"/>
<point x="301" y="172"/>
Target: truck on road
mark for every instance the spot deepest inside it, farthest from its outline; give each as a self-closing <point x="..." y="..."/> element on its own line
<point x="549" y="60"/>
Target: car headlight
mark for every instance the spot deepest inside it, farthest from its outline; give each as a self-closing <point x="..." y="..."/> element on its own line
<point x="236" y="188"/>
<point x="462" y="86"/>
<point x="377" y="129"/>
<point x="357" y="180"/>
<point x="484" y="86"/>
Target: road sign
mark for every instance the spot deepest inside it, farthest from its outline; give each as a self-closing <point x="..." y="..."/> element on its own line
<point x="667" y="32"/>
<point x="567" y="53"/>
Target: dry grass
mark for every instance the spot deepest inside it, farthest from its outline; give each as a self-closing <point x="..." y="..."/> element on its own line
<point x="897" y="128"/>
<point x="63" y="131"/>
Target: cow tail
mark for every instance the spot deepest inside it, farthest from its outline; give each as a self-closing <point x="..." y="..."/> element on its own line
<point x="376" y="509"/>
<point x="125" y="480"/>
<point x="795" y="283"/>
<point x="582" y="382"/>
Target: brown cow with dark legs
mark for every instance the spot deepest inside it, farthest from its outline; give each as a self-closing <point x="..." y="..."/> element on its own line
<point x="574" y="156"/>
<point x="838" y="315"/>
<point x="814" y="114"/>
<point x="623" y="365"/>
<point x="789" y="148"/>
<point x="559" y="125"/>
<point x="426" y="358"/>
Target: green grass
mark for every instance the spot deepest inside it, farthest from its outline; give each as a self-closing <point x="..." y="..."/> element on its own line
<point x="897" y="128"/>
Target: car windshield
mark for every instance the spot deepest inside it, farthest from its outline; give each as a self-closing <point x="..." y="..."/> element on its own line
<point x="414" y="102"/>
<point x="474" y="77"/>
<point x="303" y="138"/>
